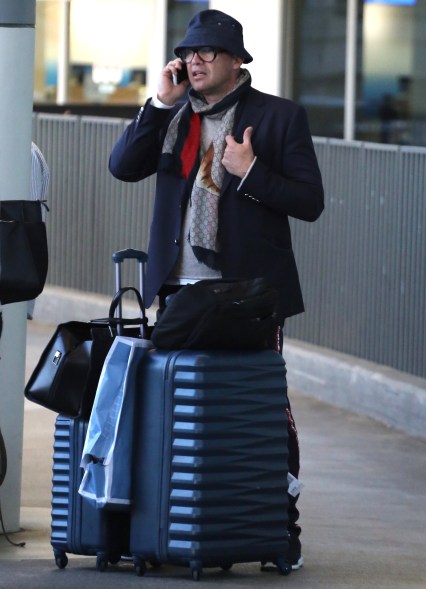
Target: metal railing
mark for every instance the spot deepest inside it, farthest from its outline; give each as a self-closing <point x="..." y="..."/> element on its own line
<point x="362" y="264"/>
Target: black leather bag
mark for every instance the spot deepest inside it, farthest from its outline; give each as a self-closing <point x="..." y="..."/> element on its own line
<point x="23" y="250"/>
<point x="66" y="376"/>
<point x="218" y="314"/>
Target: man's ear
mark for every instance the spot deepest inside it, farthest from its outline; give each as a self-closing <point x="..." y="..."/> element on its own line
<point x="238" y="62"/>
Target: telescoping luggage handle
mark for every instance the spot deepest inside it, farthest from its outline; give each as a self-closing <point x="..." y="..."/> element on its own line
<point x="118" y="258"/>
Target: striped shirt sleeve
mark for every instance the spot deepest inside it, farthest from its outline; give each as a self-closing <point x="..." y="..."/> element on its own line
<point x="40" y="174"/>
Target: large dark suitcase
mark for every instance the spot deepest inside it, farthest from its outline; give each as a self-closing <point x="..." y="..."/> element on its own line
<point x="210" y="483"/>
<point x="77" y="527"/>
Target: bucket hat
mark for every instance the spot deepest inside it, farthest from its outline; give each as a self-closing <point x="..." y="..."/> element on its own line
<point x="216" y="29"/>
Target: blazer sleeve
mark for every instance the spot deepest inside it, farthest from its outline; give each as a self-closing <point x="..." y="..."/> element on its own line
<point x="285" y="176"/>
<point x="135" y="155"/>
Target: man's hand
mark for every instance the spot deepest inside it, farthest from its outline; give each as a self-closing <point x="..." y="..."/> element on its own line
<point x="168" y="93"/>
<point x="238" y="157"/>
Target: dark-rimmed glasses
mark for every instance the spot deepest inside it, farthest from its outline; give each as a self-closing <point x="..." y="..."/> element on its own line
<point x="207" y="54"/>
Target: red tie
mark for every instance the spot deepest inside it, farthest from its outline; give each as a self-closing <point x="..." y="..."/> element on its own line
<point x="191" y="145"/>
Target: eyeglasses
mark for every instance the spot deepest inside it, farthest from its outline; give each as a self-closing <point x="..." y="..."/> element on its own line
<point x="207" y="54"/>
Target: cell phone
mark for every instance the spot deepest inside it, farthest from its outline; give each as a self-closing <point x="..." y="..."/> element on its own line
<point x="180" y="75"/>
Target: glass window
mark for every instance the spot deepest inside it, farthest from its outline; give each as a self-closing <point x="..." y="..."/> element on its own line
<point x="319" y="81"/>
<point x="107" y="42"/>
<point x="46" y="51"/>
<point x="179" y="13"/>
<point x="391" y="69"/>
<point x="394" y="72"/>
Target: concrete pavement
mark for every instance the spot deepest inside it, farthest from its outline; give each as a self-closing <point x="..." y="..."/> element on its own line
<point x="363" y="509"/>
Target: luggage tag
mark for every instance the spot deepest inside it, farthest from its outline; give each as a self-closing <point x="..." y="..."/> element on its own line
<point x="294" y="485"/>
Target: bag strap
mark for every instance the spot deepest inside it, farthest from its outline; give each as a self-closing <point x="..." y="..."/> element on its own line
<point x="3" y="459"/>
<point x="142" y="321"/>
<point x="3" y="469"/>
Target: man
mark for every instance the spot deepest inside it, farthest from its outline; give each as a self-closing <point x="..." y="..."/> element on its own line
<point x="232" y="165"/>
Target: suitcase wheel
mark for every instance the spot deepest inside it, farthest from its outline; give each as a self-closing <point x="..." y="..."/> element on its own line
<point x="140" y="568"/>
<point x="115" y="558"/>
<point x="284" y="567"/>
<point x="280" y="564"/>
<point x="226" y="566"/>
<point x="101" y="562"/>
<point x="196" y="570"/>
<point x="61" y="559"/>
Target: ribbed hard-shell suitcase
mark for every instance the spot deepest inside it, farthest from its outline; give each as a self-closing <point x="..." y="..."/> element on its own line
<point x="210" y="482"/>
<point x="77" y="527"/>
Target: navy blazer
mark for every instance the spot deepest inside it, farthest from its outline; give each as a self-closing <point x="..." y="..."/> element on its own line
<point x="254" y="232"/>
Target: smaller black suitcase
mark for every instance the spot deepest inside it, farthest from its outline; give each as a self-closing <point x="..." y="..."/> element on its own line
<point x="77" y="527"/>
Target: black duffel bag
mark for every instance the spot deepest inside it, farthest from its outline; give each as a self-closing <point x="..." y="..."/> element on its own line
<point x="218" y="314"/>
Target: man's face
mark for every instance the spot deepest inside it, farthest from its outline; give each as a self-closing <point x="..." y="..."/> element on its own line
<point x="215" y="79"/>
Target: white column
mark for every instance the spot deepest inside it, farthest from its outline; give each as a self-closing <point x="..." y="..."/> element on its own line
<point x="16" y="97"/>
<point x="350" y="70"/>
<point x="63" y="52"/>
<point x="157" y="53"/>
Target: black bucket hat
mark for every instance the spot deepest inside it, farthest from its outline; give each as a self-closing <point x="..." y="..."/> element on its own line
<point x="216" y="29"/>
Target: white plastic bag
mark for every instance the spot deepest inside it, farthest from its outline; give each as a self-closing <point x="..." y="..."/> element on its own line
<point x="108" y="448"/>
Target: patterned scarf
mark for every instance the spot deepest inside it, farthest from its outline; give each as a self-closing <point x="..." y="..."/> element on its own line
<point x="182" y="154"/>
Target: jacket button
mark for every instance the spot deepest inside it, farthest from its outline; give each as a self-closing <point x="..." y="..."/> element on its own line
<point x="176" y="241"/>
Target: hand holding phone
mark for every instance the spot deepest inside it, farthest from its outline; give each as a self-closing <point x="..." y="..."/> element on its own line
<point x="180" y="75"/>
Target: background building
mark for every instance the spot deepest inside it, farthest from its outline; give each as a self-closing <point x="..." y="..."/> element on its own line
<point x="356" y="65"/>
